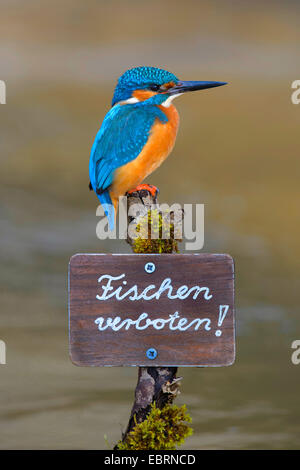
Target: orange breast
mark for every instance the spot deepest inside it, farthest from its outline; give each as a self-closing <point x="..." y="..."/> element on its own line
<point x="160" y="143"/>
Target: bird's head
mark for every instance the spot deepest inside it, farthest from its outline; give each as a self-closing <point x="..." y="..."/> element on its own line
<point x="140" y="83"/>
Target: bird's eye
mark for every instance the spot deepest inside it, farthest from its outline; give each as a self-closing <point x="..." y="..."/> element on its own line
<point x="154" y="87"/>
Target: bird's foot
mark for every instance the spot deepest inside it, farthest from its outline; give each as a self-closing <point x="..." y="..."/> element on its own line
<point x="153" y="190"/>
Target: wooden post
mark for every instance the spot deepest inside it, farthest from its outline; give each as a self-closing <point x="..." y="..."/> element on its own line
<point x="155" y="384"/>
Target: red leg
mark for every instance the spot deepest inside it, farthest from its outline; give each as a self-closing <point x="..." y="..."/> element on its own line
<point x="146" y="187"/>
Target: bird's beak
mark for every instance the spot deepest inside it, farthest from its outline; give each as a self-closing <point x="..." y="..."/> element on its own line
<point x="183" y="87"/>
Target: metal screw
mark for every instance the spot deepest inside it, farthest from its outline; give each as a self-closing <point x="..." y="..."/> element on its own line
<point x="151" y="353"/>
<point x="149" y="267"/>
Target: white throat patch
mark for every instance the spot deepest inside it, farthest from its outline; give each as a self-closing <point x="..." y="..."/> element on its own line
<point x="169" y="100"/>
<point x="129" y="101"/>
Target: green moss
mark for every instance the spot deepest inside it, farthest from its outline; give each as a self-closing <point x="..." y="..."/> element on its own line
<point x="164" y="429"/>
<point x="152" y="228"/>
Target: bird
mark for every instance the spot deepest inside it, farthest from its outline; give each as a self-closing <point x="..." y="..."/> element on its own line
<point x="138" y="132"/>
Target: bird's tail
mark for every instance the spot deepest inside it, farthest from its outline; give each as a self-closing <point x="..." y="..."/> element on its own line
<point x="108" y="207"/>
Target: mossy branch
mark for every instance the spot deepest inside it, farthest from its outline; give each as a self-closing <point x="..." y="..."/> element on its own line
<point x="154" y="422"/>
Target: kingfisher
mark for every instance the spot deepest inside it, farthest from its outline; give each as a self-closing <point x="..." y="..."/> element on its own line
<point x="137" y="134"/>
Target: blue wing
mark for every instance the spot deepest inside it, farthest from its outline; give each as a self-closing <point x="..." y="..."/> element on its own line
<point x="121" y="138"/>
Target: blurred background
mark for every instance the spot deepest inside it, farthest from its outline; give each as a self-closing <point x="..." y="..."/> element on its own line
<point x="237" y="152"/>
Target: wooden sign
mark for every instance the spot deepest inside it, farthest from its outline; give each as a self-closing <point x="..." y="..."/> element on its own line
<point x="151" y="310"/>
